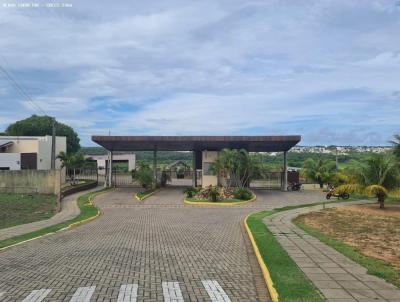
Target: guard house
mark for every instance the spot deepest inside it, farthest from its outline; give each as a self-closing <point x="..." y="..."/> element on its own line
<point x="204" y="149"/>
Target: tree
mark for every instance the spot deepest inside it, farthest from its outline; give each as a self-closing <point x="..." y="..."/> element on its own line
<point x="42" y="125"/>
<point x="320" y="170"/>
<point x="144" y="175"/>
<point x="396" y="145"/>
<point x="237" y="165"/>
<point x="378" y="169"/>
<point x="374" y="176"/>
<point x="71" y="161"/>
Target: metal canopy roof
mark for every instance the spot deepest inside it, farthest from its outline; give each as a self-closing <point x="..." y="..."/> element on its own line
<point x="191" y="143"/>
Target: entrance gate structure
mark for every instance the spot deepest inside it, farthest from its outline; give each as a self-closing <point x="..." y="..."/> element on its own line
<point x="204" y="149"/>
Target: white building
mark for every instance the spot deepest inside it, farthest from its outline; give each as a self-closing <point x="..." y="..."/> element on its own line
<point x="29" y="152"/>
<point x="102" y="161"/>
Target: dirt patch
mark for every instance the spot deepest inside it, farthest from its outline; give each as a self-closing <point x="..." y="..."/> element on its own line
<point x="374" y="232"/>
<point x="373" y="209"/>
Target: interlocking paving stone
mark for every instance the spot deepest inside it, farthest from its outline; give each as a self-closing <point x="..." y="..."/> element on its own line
<point x="37" y="295"/>
<point x="337" y="277"/>
<point x="144" y="243"/>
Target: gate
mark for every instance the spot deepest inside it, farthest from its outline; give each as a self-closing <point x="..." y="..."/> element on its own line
<point x="270" y="181"/>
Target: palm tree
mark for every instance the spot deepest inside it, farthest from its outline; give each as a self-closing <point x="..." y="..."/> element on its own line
<point x="236" y="164"/>
<point x="375" y="175"/>
<point x="320" y="170"/>
<point x="396" y="145"/>
<point x="71" y="161"/>
<point x="378" y="169"/>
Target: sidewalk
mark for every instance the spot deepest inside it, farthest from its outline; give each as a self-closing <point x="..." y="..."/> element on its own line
<point x="336" y="276"/>
<point x="69" y="210"/>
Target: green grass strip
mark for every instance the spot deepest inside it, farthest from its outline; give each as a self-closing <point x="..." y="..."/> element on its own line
<point x="145" y="194"/>
<point x="289" y="281"/>
<point x="88" y="210"/>
<point x="230" y="200"/>
<point x="374" y="266"/>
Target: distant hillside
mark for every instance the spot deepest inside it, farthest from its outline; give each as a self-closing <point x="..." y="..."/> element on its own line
<point x="163" y="157"/>
<point x="294" y="159"/>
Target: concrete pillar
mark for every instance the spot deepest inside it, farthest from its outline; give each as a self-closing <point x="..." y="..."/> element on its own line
<point x="194" y="176"/>
<point x="155" y="167"/>
<point x="285" y="173"/>
<point x="110" y="168"/>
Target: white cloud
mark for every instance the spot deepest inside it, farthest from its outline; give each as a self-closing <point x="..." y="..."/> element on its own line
<point x="174" y="66"/>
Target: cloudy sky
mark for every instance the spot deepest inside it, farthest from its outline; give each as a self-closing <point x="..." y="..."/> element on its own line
<point x="328" y="70"/>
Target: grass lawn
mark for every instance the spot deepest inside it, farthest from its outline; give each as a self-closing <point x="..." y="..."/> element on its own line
<point x="88" y="211"/>
<point x="18" y="208"/>
<point x="289" y="281"/>
<point x="365" y="234"/>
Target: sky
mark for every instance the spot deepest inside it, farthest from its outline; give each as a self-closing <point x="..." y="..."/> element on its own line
<point x="328" y="70"/>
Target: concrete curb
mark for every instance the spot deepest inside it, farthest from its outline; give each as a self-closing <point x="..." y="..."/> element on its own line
<point x="147" y="195"/>
<point x="264" y="268"/>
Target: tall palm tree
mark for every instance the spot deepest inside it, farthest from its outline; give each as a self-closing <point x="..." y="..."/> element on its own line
<point x="396" y="145"/>
<point x="320" y="170"/>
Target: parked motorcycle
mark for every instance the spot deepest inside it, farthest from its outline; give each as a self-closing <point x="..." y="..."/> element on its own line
<point x="341" y="195"/>
<point x="294" y="186"/>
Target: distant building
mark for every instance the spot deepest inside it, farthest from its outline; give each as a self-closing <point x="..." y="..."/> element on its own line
<point x="102" y="161"/>
<point x="29" y="152"/>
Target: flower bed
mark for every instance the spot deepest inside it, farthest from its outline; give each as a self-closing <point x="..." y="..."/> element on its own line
<point x="218" y="195"/>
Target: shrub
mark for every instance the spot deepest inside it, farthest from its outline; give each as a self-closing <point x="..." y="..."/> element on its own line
<point x="144" y="175"/>
<point x="242" y="193"/>
<point x="350" y="188"/>
<point x="190" y="192"/>
<point x="213" y="194"/>
<point x="379" y="192"/>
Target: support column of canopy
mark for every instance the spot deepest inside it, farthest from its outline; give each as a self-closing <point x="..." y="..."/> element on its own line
<point x="155" y="167"/>
<point x="110" y="168"/>
<point x="194" y="168"/>
<point x="285" y="172"/>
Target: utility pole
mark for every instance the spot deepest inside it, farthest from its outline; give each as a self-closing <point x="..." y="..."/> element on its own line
<point x="53" y="145"/>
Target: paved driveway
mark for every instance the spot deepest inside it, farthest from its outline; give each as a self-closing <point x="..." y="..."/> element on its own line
<point x="155" y="250"/>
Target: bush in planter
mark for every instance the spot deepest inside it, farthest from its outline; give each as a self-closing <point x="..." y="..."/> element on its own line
<point x="213" y="194"/>
<point x="144" y="175"/>
<point x="190" y="192"/>
<point x="242" y="193"/>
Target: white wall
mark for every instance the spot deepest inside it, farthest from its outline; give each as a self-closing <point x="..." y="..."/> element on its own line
<point x="44" y="151"/>
<point x="10" y="160"/>
<point x="22" y="144"/>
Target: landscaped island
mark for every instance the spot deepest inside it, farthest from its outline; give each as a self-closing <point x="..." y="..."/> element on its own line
<point x="215" y="195"/>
